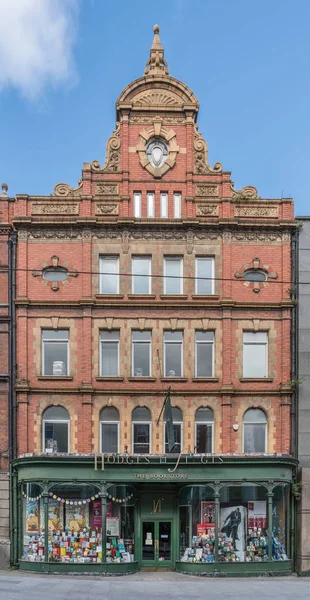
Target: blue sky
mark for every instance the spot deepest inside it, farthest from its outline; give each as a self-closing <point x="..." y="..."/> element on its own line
<point x="63" y="64"/>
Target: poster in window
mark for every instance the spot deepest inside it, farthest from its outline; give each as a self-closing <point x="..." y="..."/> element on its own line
<point x="55" y="515"/>
<point x="208" y="514"/>
<point x="77" y="517"/>
<point x="232" y="527"/>
<point x="113" y="526"/>
<point x="96" y="514"/>
<point x="257" y="514"/>
<point x="32" y="516"/>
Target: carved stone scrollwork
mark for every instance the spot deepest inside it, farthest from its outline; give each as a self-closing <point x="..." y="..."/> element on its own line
<point x="201" y="162"/>
<point x="54" y="209"/>
<point x="107" y="189"/>
<point x="63" y="189"/>
<point x="256" y="211"/>
<point x="248" y="191"/>
<point x="205" y="191"/>
<point x="207" y="210"/>
<point x="113" y="155"/>
<point x="107" y="209"/>
<point x="170" y="138"/>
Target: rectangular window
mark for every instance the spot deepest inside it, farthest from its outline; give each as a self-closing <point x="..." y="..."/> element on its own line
<point x="141" y="353"/>
<point x="141" y="438"/>
<point x="177" y="212"/>
<point x="255" y="354"/>
<point x="109" y="437"/>
<point x="173" y="271"/>
<point x="109" y="353"/>
<point x="204" y="436"/>
<point x="177" y="437"/>
<point x="55" y="352"/>
<point x="141" y="271"/>
<point x="164" y="205"/>
<point x="137" y="205"/>
<point x="109" y="274"/>
<point x="173" y="353"/>
<point x="204" y="353"/>
<point x="150" y="205"/>
<point x="204" y="275"/>
<point x="56" y="437"/>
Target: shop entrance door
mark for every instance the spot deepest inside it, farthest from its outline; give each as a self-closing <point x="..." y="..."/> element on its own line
<point x="156" y="544"/>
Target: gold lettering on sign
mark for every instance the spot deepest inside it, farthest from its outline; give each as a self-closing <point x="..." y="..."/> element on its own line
<point x="156" y="506"/>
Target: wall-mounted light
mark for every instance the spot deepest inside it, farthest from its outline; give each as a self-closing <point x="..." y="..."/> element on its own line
<point x="235" y="427"/>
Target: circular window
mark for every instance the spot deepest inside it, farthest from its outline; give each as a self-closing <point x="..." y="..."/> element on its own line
<point x="255" y="275"/>
<point x="55" y="274"/>
<point x="157" y="152"/>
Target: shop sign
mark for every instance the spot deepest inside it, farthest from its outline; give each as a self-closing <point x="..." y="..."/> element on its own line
<point x="101" y="460"/>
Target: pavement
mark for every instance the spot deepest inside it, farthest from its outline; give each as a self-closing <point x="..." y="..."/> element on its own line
<point x="149" y="586"/>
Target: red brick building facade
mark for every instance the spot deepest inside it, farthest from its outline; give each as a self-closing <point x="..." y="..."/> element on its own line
<point x="155" y="273"/>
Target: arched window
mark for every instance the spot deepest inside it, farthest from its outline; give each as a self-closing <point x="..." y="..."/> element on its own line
<point x="109" y="430"/>
<point x="56" y="422"/>
<point x="204" y="422"/>
<point x="141" y="430"/>
<point x="177" y="418"/>
<point x="254" y="431"/>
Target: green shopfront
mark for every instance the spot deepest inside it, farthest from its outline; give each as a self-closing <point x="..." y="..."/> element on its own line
<point x="202" y="514"/>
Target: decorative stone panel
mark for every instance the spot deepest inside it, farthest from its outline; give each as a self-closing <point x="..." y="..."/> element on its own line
<point x="54" y="208"/>
<point x="204" y="191"/>
<point x="207" y="210"/>
<point x="107" y="209"/>
<point x="256" y="211"/>
<point x="107" y="189"/>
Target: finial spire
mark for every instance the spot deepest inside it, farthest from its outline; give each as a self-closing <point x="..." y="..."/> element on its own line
<point x="156" y="65"/>
<point x="5" y="188"/>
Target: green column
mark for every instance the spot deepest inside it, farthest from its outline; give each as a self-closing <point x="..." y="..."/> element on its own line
<point x="217" y="518"/>
<point x="45" y="504"/>
<point x="104" y="522"/>
<point x="15" y="518"/>
<point x="270" y="498"/>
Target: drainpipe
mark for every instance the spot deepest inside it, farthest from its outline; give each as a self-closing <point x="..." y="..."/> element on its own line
<point x="12" y="382"/>
<point x="295" y="377"/>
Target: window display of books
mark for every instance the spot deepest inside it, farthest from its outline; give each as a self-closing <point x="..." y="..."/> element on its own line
<point x="75" y="546"/>
<point x="201" y="551"/>
<point x="34" y="547"/>
<point x="257" y="546"/>
<point x="119" y="550"/>
<point x="226" y="551"/>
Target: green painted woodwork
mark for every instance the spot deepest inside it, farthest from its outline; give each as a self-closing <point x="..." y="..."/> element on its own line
<point x="108" y="568"/>
<point x="153" y="481"/>
<point x="240" y="569"/>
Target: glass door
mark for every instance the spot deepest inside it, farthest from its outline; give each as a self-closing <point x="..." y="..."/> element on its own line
<point x="156" y="544"/>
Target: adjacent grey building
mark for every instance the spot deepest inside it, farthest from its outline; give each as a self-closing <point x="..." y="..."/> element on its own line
<point x="303" y="441"/>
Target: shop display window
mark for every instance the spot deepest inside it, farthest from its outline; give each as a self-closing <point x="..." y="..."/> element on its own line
<point x="197" y="524"/>
<point x="243" y="527"/>
<point x="75" y="524"/>
<point x="32" y="544"/>
<point x="280" y="512"/>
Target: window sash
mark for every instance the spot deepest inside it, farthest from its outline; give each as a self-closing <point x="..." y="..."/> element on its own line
<point x="109" y="358"/>
<point x="141" y="275"/>
<point x="109" y="275"/>
<point x="255" y="358"/>
<point x="137" y="205"/>
<point x="109" y="441"/>
<point x="173" y="272"/>
<point x="56" y="429"/>
<point x="62" y="356"/>
<point x="164" y="205"/>
<point x="141" y="357"/>
<point x="150" y="205"/>
<point x="141" y="437"/>
<point x="204" y="358"/>
<point x="204" y="268"/>
<point x="173" y="357"/>
<point x="204" y="438"/>
<point x="254" y="438"/>
<point x="178" y="435"/>
<point x="177" y="211"/>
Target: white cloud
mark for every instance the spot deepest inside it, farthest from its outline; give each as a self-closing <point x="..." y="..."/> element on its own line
<point x="36" y="42"/>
